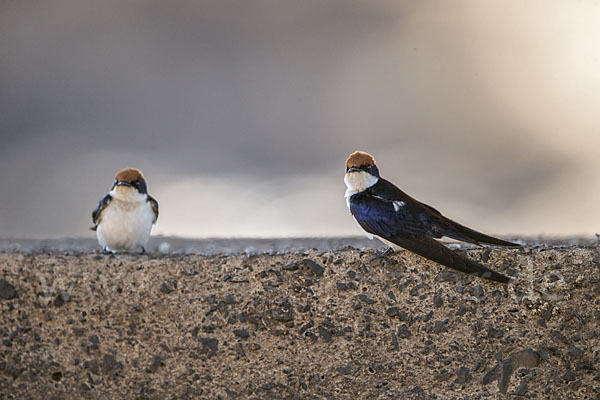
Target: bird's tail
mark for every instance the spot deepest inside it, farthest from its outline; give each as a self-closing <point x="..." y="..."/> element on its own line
<point x="460" y="232"/>
<point x="431" y="249"/>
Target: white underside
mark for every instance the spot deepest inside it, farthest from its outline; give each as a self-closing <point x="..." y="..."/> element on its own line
<point x="388" y="243"/>
<point x="356" y="182"/>
<point x="125" y="223"/>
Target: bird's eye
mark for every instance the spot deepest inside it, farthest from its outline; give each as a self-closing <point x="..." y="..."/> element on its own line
<point x="136" y="183"/>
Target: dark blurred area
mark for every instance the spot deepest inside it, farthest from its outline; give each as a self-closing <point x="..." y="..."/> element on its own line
<point x="241" y="114"/>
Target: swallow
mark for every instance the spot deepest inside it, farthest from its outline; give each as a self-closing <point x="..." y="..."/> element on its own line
<point x="124" y="217"/>
<point x="400" y="221"/>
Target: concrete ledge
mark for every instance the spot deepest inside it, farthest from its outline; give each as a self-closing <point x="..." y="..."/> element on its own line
<point x="334" y="324"/>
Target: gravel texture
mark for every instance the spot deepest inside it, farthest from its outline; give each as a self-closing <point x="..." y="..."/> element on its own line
<point x="301" y="325"/>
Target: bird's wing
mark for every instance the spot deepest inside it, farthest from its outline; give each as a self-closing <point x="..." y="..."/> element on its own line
<point x="433" y="250"/>
<point x="433" y="220"/>
<point x="97" y="213"/>
<point x="409" y="226"/>
<point x="154" y="205"/>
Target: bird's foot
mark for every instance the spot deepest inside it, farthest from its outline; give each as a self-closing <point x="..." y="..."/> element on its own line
<point x="143" y="251"/>
<point x="382" y="257"/>
<point x="106" y="251"/>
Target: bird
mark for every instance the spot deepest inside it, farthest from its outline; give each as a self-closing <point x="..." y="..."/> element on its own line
<point x="124" y="216"/>
<point x="400" y="221"/>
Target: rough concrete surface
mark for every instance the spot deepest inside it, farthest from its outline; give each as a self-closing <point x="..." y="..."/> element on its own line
<point x="317" y="324"/>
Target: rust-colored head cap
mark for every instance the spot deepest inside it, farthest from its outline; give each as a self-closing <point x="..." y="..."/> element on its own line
<point x="129" y="175"/>
<point x="359" y="159"/>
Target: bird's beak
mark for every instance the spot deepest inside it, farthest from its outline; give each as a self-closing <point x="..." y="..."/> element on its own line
<point x="121" y="183"/>
<point x="354" y="169"/>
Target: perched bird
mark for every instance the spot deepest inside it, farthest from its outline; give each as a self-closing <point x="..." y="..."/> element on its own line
<point x="124" y="217"/>
<point x="398" y="220"/>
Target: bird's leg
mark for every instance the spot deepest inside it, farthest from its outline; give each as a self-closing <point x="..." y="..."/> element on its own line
<point x="388" y="252"/>
<point x="143" y="250"/>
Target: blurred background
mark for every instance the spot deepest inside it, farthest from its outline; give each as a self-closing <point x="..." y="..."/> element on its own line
<point x="241" y="113"/>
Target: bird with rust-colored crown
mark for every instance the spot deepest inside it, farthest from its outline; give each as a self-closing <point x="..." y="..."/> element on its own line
<point x="400" y="221"/>
<point x="124" y="217"/>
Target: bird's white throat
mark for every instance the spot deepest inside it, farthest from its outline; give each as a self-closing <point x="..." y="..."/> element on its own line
<point x="128" y="194"/>
<point x="358" y="181"/>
